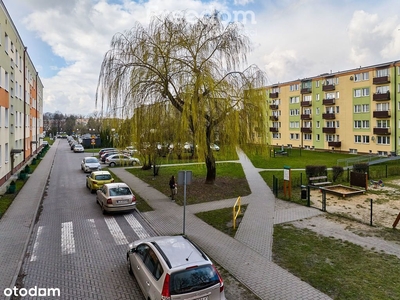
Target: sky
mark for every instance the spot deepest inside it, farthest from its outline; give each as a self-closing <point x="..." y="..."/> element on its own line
<point x="291" y="39"/>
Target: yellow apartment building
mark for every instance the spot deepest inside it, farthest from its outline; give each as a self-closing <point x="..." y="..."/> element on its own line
<point x="354" y="111"/>
<point x="21" y="100"/>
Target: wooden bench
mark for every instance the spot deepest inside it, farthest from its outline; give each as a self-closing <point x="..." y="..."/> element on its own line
<point x="319" y="180"/>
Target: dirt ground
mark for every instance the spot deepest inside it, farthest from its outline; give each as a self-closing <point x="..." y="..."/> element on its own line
<point x="385" y="204"/>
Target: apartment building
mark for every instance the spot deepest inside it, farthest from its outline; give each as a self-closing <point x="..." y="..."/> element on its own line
<point x="354" y="111"/>
<point x="21" y="100"/>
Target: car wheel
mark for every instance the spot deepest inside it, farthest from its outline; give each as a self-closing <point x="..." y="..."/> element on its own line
<point x="103" y="210"/>
<point x="112" y="164"/>
<point x="92" y="191"/>
<point x="129" y="266"/>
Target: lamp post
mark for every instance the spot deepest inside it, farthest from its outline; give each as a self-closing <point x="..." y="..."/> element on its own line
<point x="112" y="136"/>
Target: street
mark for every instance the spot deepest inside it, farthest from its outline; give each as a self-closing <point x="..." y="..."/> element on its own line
<point x="74" y="248"/>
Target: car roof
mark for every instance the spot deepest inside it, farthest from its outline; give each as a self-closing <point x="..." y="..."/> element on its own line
<point x="101" y="173"/>
<point x="116" y="185"/>
<point x="179" y="250"/>
<point x="91" y="157"/>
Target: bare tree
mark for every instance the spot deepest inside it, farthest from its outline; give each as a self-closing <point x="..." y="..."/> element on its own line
<point x="192" y="66"/>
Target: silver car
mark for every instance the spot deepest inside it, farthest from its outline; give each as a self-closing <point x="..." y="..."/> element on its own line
<point x="90" y="164"/>
<point x="121" y="160"/>
<point x="172" y="267"/>
<point x="115" y="197"/>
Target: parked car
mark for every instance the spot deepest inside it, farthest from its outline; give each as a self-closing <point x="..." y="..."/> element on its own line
<point x="74" y="144"/>
<point x="115" y="197"/>
<point x="130" y="150"/>
<point x="97" y="179"/>
<point x="105" y="150"/>
<point x="90" y="164"/>
<point x="107" y="154"/>
<point x="169" y="267"/>
<point x="121" y="160"/>
<point x="78" y="148"/>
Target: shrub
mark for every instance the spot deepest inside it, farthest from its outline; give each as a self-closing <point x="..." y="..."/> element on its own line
<point x="337" y="171"/>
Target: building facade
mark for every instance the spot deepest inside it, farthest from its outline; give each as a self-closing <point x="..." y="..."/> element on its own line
<point x="354" y="111"/>
<point x="21" y="100"/>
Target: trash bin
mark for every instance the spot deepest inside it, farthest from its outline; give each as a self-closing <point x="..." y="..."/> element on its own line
<point x="303" y="192"/>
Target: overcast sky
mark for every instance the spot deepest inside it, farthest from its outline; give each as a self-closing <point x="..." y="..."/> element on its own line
<point x="292" y="39"/>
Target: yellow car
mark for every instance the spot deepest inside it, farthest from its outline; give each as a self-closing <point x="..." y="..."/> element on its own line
<point x="97" y="179"/>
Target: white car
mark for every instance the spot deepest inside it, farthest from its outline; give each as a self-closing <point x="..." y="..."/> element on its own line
<point x="90" y="164"/>
<point x="115" y="197"/>
<point x="121" y="160"/>
<point x="78" y="148"/>
<point x="172" y="267"/>
<point x="214" y="147"/>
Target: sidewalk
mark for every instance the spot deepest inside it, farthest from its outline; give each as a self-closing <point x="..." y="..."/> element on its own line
<point x="17" y="223"/>
<point x="248" y="255"/>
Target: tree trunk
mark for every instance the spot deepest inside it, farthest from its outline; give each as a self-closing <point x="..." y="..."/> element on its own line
<point x="211" y="169"/>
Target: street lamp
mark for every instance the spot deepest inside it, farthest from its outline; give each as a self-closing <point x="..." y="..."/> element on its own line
<point x="112" y="136"/>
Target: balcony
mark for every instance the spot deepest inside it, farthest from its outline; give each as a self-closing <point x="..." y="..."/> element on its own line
<point x="329" y="129"/>
<point x="305" y="103"/>
<point x="381" y="96"/>
<point x="328" y="87"/>
<point x="273" y="106"/>
<point x="328" y="101"/>
<point x="273" y="118"/>
<point x="274" y="95"/>
<point x="381" y="80"/>
<point x="328" y="116"/>
<point x="381" y="114"/>
<point x="305" y="90"/>
<point x="273" y="129"/>
<point x="305" y="117"/>
<point x="335" y="144"/>
<point x="306" y="129"/>
<point x="381" y="131"/>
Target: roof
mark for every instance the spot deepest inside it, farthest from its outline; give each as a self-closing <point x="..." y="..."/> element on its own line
<point x="100" y="173"/>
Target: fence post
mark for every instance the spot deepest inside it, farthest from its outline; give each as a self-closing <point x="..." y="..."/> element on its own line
<point x="308" y="196"/>
<point x="323" y="200"/>
<point x="370" y="220"/>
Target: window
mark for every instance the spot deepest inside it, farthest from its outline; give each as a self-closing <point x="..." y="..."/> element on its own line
<point x="317" y="124"/>
<point x="361" y="124"/>
<point x="382" y="72"/>
<point x="307" y="98"/>
<point x="294" y="87"/>
<point x="365" y="139"/>
<point x="307" y="111"/>
<point x="7" y="81"/>
<point x="276" y="135"/>
<point x="317" y="97"/>
<point x="353" y="151"/>
<point x="383" y="140"/>
<point x="382" y="106"/>
<point x="330" y="95"/>
<point x="293" y="100"/>
<point x="294" y="136"/>
<point x="361" y="76"/>
<point x="364" y="92"/>
<point x="330" y="124"/>
<point x="307" y="124"/>
<point x="382" y="89"/>
<point x="6" y="153"/>
<point x="294" y="112"/>
<point x="317" y="83"/>
<point x="332" y="138"/>
<point x="6" y="119"/>
<point x="317" y="111"/>
<point x="275" y="90"/>
<point x="357" y="139"/>
<point x="382" y="123"/>
<point x="294" y="124"/>
<point x="307" y="136"/>
<point x="6" y="42"/>
<point x="317" y="137"/>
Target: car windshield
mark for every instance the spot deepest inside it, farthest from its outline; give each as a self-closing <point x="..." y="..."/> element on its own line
<point x="120" y="191"/>
<point x="193" y="279"/>
<point x="91" y="160"/>
<point x="103" y="177"/>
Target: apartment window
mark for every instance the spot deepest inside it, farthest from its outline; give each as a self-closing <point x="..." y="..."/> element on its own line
<point x="276" y="124"/>
<point x="382" y="72"/>
<point x="7" y="81"/>
<point x="332" y="81"/>
<point x="318" y="124"/>
<point x="294" y="87"/>
<point x="382" y="123"/>
<point x="307" y="137"/>
<point x="307" y="98"/>
<point x="382" y="106"/>
<point x="307" y="124"/>
<point x="294" y="136"/>
<point x="6" y="42"/>
<point x="330" y="124"/>
<point x="364" y="92"/>
<point x="294" y="124"/>
<point x="294" y="112"/>
<point x="317" y="111"/>
<point x="317" y="83"/>
<point x="317" y="137"/>
<point x="275" y="101"/>
<point x="6" y="117"/>
<point x="276" y="135"/>
<point x="365" y="139"/>
<point x="317" y="97"/>
<point x="361" y="124"/>
<point x="293" y="100"/>
<point x="275" y="90"/>
<point x="382" y="89"/>
<point x="357" y="139"/>
<point x="307" y="111"/>
<point x="330" y="95"/>
<point x="361" y="76"/>
<point x="383" y="140"/>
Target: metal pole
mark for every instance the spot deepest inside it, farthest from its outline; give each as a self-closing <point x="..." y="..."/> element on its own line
<point x="370" y="220"/>
<point x="184" y="202"/>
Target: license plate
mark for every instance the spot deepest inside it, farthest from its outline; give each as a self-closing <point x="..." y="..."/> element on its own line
<point x="202" y="298"/>
<point x="122" y="201"/>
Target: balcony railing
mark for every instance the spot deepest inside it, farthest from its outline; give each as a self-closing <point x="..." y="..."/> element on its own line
<point x="381" y="96"/>
<point x="328" y="87"/>
<point x="273" y="118"/>
<point x="305" y="117"/>
<point x="305" y="103"/>
<point x="381" y="131"/>
<point x="305" y="90"/>
<point x="328" y="116"/>
<point x="306" y="129"/>
<point x="329" y="129"/>
<point x="381" y="80"/>
<point x="381" y="114"/>
<point x="335" y="144"/>
<point x="328" y="101"/>
<point x="273" y="129"/>
<point x="273" y="106"/>
<point x="274" y="95"/>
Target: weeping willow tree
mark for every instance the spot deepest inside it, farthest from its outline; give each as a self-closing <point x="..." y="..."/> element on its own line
<point x="181" y="80"/>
